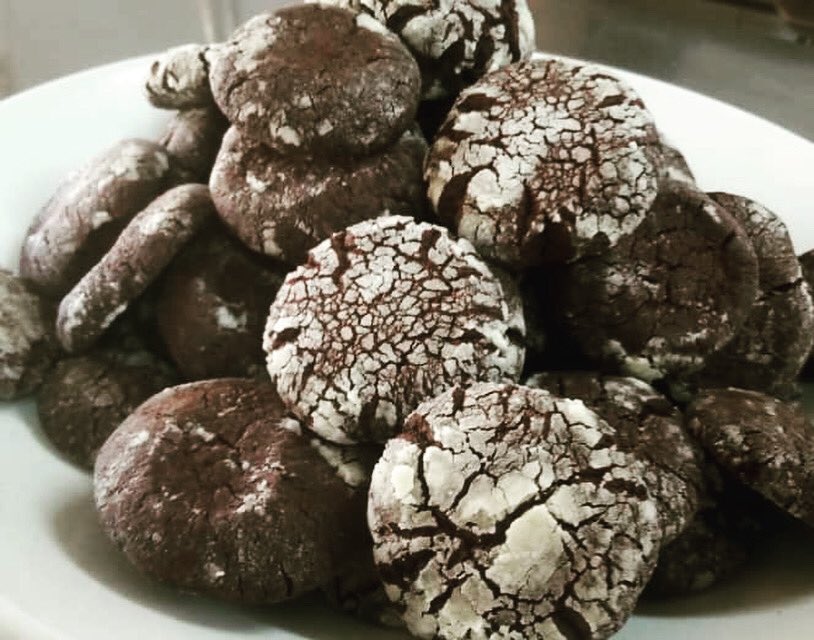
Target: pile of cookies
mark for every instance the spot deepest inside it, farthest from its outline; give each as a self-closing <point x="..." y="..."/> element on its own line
<point x="396" y="312"/>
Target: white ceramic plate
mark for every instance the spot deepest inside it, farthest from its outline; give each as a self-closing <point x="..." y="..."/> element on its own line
<point x="59" y="577"/>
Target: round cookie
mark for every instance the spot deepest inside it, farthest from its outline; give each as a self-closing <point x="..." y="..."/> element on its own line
<point x="502" y="511"/>
<point x="648" y="426"/>
<point x="83" y="399"/>
<point x="212" y="308"/>
<point x="455" y="41"/>
<point x="192" y="139"/>
<point x="765" y="443"/>
<point x="772" y="346"/>
<point x="27" y="342"/>
<point x="83" y="218"/>
<point x="543" y="161"/>
<point x="285" y="206"/>
<point x="382" y="316"/>
<point x="210" y="487"/>
<point x="179" y="78"/>
<point x="674" y="165"/>
<point x="316" y="80"/>
<point x="142" y="251"/>
<point x="731" y="522"/>
<point x="677" y="289"/>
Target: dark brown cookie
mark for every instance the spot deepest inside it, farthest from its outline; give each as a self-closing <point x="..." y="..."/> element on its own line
<point x="675" y="290"/>
<point x="382" y="316"/>
<point x="648" y="426"/>
<point x="772" y="346"/>
<point x="765" y="443"/>
<point x="731" y="523"/>
<point x="316" y="80"/>
<point x="83" y="218"/>
<point x="284" y="206"/>
<point x="83" y="399"/>
<point x="142" y="251"/>
<point x="455" y="43"/>
<point x="211" y="487"/>
<point x="515" y="507"/>
<point x="28" y="345"/>
<point x="674" y="165"/>
<point x="192" y="140"/>
<point x="544" y="160"/>
<point x="179" y="78"/>
<point x="213" y="305"/>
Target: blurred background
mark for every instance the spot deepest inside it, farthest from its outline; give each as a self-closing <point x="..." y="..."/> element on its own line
<point x="758" y="54"/>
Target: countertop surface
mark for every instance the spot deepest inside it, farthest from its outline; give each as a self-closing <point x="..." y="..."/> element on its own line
<point x="742" y="55"/>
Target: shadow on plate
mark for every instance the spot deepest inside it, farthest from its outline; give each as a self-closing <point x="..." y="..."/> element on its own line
<point x="779" y="576"/>
<point x="77" y="532"/>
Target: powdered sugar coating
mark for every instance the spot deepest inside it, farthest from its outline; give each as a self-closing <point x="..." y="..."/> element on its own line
<point x="543" y="161"/>
<point x="455" y="41"/>
<point x="27" y="343"/>
<point x="674" y="291"/>
<point x="315" y="80"/>
<point x="142" y="251"/>
<point x="203" y="488"/>
<point x="505" y="512"/>
<point x="179" y="78"/>
<point x="773" y="344"/>
<point x="382" y="316"/>
<point x="83" y="218"/>
<point x="648" y="426"/>
<point x="764" y="442"/>
<point x="284" y="206"/>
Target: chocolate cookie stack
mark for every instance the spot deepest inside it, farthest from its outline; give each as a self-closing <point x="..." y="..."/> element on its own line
<point x="500" y="386"/>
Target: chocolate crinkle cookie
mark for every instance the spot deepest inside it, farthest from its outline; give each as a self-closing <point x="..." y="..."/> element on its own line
<point x="382" y="316"/>
<point x="771" y="348"/>
<point x="647" y="425"/>
<point x="284" y="206"/>
<point x="731" y="523"/>
<point x="763" y="442"/>
<point x="179" y="78"/>
<point x="192" y="139"/>
<point x="212" y="307"/>
<point x="503" y="511"/>
<point x="316" y="80"/>
<point x="455" y="41"/>
<point x="543" y="161"/>
<point x="211" y="487"/>
<point x="675" y="290"/>
<point x="141" y="253"/>
<point x="84" y="217"/>
<point x="28" y="345"/>
<point x="84" y="398"/>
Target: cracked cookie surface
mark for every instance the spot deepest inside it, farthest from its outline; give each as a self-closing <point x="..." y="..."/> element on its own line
<point x="90" y="207"/>
<point x="764" y="442"/>
<point x="142" y="251"/>
<point x="677" y="289"/>
<point x="648" y="426"/>
<point x="544" y="160"/>
<point x="285" y="206"/>
<point x="212" y="307"/>
<point x="83" y="399"/>
<point x="211" y="487"/>
<point x="28" y="345"/>
<point x="505" y="512"/>
<point x="179" y="78"/>
<point x="455" y="41"/>
<point x="316" y="80"/>
<point x="772" y="346"/>
<point x="382" y="316"/>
